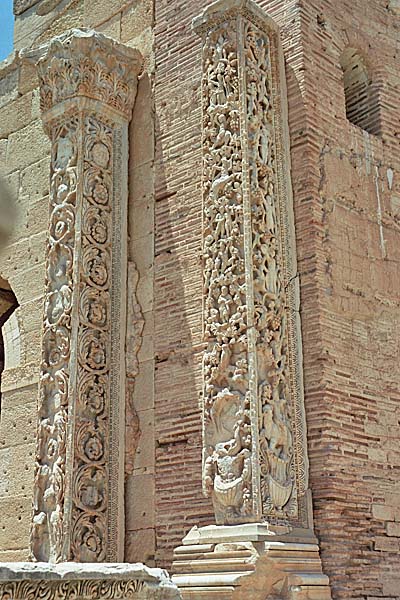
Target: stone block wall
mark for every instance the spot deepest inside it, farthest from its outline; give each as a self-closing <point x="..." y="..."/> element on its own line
<point x="25" y="164"/>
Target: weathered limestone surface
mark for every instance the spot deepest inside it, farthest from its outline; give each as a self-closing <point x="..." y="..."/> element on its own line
<point x="249" y="562"/>
<point x="19" y="581"/>
<point x="87" y="91"/>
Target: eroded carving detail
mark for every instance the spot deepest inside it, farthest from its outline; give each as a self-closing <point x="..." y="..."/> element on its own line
<point x="278" y="493"/>
<point x="228" y="437"/>
<point x="254" y="447"/>
<point x="90" y="491"/>
<point x="49" y="486"/>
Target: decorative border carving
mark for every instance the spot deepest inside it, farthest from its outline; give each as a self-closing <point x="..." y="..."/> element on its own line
<point x="69" y="581"/>
<point x="70" y="590"/>
<point x="255" y="457"/>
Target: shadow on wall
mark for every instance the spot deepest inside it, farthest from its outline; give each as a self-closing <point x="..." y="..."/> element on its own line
<point x="8" y="213"/>
<point x="9" y="330"/>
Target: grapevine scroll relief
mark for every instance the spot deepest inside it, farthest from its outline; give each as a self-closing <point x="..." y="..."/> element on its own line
<point x="46" y="533"/>
<point x="89" y="515"/>
<point x="245" y="304"/>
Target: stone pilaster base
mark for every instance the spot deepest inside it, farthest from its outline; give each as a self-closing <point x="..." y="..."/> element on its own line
<point x="252" y="562"/>
<point x="88" y="581"/>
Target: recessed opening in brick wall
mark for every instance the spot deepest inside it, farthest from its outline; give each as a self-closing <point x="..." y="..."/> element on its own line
<point x="9" y="330"/>
<point x="361" y="93"/>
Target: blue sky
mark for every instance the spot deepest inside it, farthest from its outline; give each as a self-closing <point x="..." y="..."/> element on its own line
<point x="6" y="28"/>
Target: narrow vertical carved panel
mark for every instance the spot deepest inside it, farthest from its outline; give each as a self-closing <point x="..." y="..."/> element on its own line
<point x="88" y="86"/>
<point x="253" y="420"/>
<point x="90" y="490"/>
<point x="49" y="491"/>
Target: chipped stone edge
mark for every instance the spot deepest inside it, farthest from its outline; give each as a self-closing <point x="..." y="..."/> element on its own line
<point x="21" y="571"/>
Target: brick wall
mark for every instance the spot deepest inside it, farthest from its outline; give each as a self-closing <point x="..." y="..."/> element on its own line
<point x="346" y="190"/>
<point x="347" y="223"/>
<point x="178" y="277"/>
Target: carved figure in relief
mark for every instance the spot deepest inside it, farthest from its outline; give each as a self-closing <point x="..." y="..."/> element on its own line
<point x="227" y="474"/>
<point x="276" y="443"/>
<point x="227" y="469"/>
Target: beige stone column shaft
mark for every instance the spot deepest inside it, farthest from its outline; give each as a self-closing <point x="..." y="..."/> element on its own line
<point x="87" y="90"/>
<point x="255" y="457"/>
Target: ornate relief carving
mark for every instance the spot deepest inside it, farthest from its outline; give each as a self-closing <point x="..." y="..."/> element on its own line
<point x="278" y="492"/>
<point x="254" y="446"/>
<point x="79" y="442"/>
<point x="88" y="64"/>
<point x="90" y="481"/>
<point x="71" y="581"/>
<point x="49" y="486"/>
<point x="228" y="436"/>
<point x="69" y="590"/>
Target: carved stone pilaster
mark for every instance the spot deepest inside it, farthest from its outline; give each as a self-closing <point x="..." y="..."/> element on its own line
<point x="255" y="457"/>
<point x="87" y="92"/>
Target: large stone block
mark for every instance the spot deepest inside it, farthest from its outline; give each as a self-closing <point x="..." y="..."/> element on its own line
<point x="27" y="283"/>
<point x="135" y="19"/>
<point x="145" y="452"/>
<point x="143" y="251"/>
<point x="35" y="27"/>
<point x="18" y="425"/>
<point x="15" y="520"/>
<point x="16" y="468"/>
<point x="27" y="146"/>
<point x="15" y="115"/>
<point x="142" y="139"/>
<point x="112" y="27"/>
<point x="35" y="183"/>
<point x="98" y="12"/>
<point x="143" y="397"/>
<point x="19" y="380"/>
<point x="140" y="546"/>
<point x="139" y="502"/>
<point x="8" y="86"/>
